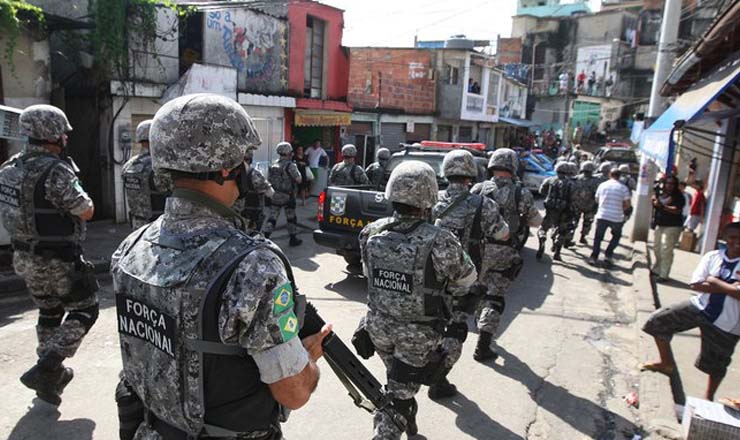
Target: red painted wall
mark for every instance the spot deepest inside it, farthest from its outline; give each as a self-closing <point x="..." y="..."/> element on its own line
<point x="338" y="62"/>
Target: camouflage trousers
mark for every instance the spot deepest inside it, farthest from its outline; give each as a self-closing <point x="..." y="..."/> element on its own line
<point x="560" y="222"/>
<point x="497" y="275"/>
<point x="588" y="220"/>
<point x="274" y="214"/>
<point x="452" y="346"/>
<point x="51" y="283"/>
<point x="411" y="343"/>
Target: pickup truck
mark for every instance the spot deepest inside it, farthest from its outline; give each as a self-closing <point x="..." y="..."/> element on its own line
<point x="344" y="211"/>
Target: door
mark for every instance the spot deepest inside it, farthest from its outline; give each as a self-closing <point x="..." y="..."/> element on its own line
<point x="391" y="135"/>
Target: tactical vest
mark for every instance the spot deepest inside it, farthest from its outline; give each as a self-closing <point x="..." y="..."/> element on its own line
<point x="167" y="323"/>
<point x="144" y="199"/>
<point x="402" y="284"/>
<point x="280" y="178"/>
<point x="462" y="217"/>
<point x="33" y="222"/>
<point x="253" y="200"/>
<point x="558" y="194"/>
<point x="507" y="194"/>
<point x="584" y="193"/>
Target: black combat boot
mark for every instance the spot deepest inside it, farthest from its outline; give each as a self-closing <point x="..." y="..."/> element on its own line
<point x="541" y="249"/>
<point x="441" y="390"/>
<point x="483" y="348"/>
<point x="295" y="241"/>
<point x="48" y="378"/>
<point x="408" y="409"/>
<point x="583" y="240"/>
<point x="556" y="254"/>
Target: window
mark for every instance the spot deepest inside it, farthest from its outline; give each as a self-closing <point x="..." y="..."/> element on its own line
<point x="452" y="75"/>
<point x="313" y="73"/>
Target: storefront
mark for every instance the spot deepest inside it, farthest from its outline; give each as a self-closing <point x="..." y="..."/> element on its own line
<point x="268" y="115"/>
<point x="308" y="125"/>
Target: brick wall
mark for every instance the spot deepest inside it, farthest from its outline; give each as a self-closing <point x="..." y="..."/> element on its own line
<point x="509" y="51"/>
<point x="396" y="79"/>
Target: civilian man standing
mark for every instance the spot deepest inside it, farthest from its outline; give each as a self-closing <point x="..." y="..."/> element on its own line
<point x="613" y="199"/>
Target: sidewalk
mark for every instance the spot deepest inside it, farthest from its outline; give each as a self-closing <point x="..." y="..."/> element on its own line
<point x="104" y="236"/>
<point x="659" y="394"/>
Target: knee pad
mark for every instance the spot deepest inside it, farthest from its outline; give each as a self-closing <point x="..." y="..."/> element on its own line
<point x="498" y="303"/>
<point x="51" y="317"/>
<point x="406" y="407"/>
<point x="86" y="316"/>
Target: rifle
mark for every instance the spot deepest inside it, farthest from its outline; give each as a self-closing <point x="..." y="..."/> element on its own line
<point x="364" y="389"/>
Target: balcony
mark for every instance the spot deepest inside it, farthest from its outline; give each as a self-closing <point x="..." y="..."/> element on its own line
<point x="475" y="103"/>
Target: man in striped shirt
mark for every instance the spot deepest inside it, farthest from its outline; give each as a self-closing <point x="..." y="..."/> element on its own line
<point x="613" y="199"/>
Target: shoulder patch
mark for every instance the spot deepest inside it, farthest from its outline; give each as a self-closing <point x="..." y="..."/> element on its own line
<point x="282" y="299"/>
<point x="288" y="326"/>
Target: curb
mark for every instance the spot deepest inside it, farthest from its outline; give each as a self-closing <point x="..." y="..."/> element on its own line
<point x="657" y="408"/>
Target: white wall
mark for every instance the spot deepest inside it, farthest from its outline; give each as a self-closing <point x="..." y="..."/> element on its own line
<point x="164" y="68"/>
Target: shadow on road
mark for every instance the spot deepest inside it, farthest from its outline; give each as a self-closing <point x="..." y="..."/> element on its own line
<point x="42" y="421"/>
<point x="585" y="416"/>
<point x="353" y="288"/>
<point x="529" y="290"/>
<point x="474" y="422"/>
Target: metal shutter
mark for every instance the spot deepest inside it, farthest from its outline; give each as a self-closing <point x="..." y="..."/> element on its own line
<point x="392" y="134"/>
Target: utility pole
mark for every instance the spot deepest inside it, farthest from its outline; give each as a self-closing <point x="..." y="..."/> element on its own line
<point x="663" y="64"/>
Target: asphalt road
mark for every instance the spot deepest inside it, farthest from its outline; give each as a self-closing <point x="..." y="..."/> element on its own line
<point x="568" y="348"/>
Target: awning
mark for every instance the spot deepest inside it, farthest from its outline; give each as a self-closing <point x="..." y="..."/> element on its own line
<point x="688" y="107"/>
<point x="518" y="122"/>
<point x="321" y="118"/>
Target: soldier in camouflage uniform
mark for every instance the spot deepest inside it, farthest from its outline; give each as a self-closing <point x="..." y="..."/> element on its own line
<point x="501" y="259"/>
<point x="376" y="170"/>
<point x="207" y="315"/>
<point x="583" y="198"/>
<point x="145" y="190"/>
<point x="603" y="174"/>
<point x="284" y="178"/>
<point x="44" y="208"/>
<point x="626" y="178"/>
<point x="571" y="172"/>
<point x="557" y="190"/>
<point x="347" y="172"/>
<point x="407" y="303"/>
<point x="251" y="204"/>
<point x="475" y="220"/>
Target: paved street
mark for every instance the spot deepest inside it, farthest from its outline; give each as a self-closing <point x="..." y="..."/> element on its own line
<point x="568" y="358"/>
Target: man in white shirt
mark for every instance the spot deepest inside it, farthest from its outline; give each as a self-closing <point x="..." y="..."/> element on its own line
<point x="315" y="152"/>
<point x="716" y="311"/>
<point x="613" y="199"/>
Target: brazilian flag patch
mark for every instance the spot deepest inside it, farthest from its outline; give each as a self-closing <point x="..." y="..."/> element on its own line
<point x="283" y="299"/>
<point x="288" y="326"/>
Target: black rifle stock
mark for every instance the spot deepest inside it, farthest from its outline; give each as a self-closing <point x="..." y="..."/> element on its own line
<point x="365" y="390"/>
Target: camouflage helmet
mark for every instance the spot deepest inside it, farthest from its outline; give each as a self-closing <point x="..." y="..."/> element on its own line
<point x="201" y="133"/>
<point x="284" y="148"/>
<point x="562" y="168"/>
<point x="384" y="154"/>
<point x="504" y="159"/>
<point x="412" y="183"/>
<point x="588" y="167"/>
<point x="572" y="168"/>
<point x="142" y="131"/>
<point x="44" y="122"/>
<point x="459" y="163"/>
<point x="624" y="168"/>
<point x="349" y="150"/>
<point x="605" y="167"/>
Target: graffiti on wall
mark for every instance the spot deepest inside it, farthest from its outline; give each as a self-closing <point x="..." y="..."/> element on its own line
<point x="254" y="44"/>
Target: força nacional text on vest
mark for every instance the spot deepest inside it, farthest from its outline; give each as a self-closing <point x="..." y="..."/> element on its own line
<point x="394" y="281"/>
<point x="145" y="322"/>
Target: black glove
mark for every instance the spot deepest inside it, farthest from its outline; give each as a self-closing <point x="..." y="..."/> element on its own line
<point x="457" y="330"/>
<point x="362" y="342"/>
